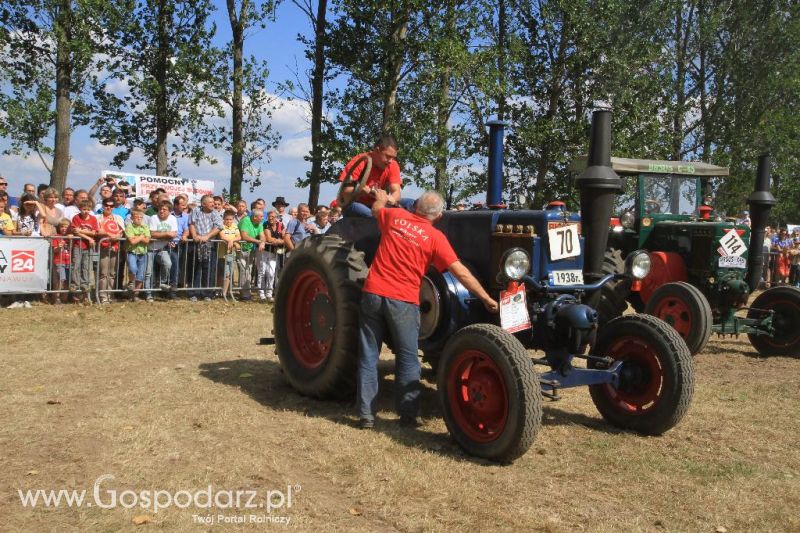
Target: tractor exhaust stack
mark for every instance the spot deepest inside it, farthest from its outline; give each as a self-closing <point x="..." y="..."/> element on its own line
<point x="494" y="190"/>
<point x="598" y="185"/>
<point x="760" y="202"/>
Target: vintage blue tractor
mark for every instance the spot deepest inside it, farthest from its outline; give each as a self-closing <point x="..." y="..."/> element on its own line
<point x="638" y="369"/>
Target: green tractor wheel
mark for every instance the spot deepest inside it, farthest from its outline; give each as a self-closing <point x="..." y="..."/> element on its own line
<point x="683" y="307"/>
<point x="785" y="302"/>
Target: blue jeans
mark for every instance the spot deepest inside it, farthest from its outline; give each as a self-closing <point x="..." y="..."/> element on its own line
<point x="205" y="270"/>
<point x="175" y="256"/>
<point x="380" y="315"/>
<point x="137" y="264"/>
<point x="162" y="259"/>
<point x="357" y="209"/>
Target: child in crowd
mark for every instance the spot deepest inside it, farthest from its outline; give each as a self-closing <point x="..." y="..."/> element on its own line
<point x="230" y="236"/>
<point x="61" y="260"/>
<point x="28" y="216"/>
<point x="138" y="235"/>
<point x="84" y="225"/>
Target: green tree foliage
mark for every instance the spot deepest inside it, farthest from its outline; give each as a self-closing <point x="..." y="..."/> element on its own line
<point x="159" y="83"/>
<point x="313" y="92"/>
<point x="48" y="55"/>
<point x="405" y="66"/>
<point x="242" y="105"/>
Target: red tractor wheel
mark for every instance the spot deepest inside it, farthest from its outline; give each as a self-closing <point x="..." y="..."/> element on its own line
<point x="785" y="302"/>
<point x="683" y="307"/>
<point x="316" y="316"/>
<point x="490" y="393"/>
<point x="656" y="379"/>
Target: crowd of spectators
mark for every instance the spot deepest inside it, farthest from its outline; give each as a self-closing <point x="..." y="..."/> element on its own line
<point x="163" y="246"/>
<point x="784" y="256"/>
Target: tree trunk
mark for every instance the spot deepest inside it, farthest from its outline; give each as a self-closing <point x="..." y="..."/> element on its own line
<point x="162" y="122"/>
<point x="441" y="182"/>
<point x="238" y="148"/>
<point x="394" y="70"/>
<point x="554" y="92"/>
<point x="316" y="102"/>
<point x="63" y="27"/>
<point x="501" y="60"/>
<point x="679" y="87"/>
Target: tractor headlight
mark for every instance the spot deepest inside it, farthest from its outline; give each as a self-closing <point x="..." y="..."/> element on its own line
<point x="627" y="219"/>
<point x="516" y="263"/>
<point x="637" y="264"/>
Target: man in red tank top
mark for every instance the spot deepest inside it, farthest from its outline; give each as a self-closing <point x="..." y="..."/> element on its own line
<point x="390" y="300"/>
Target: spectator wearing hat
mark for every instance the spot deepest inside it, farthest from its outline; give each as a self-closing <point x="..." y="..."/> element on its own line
<point x="281" y="205"/>
<point x="744" y="219"/>
<point x="12" y="202"/>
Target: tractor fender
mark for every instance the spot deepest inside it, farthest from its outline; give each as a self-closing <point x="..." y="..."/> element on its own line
<point x="665" y="267"/>
<point x="447" y="308"/>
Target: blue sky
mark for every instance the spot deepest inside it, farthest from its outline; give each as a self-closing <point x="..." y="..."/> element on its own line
<point x="278" y="45"/>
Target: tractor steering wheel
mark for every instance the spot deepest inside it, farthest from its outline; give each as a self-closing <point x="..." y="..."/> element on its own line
<point x="348" y="181"/>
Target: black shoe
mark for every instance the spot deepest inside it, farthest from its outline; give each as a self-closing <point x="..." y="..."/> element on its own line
<point x="366" y="423"/>
<point x="409" y="421"/>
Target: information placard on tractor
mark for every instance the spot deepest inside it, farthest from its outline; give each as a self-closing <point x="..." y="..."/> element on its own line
<point x="514" y="310"/>
<point x="564" y="242"/>
<point x="732" y="244"/>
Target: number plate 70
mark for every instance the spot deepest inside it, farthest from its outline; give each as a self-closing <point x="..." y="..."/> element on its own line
<point x="564" y="242"/>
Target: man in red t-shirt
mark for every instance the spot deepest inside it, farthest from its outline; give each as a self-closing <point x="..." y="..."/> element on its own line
<point x="385" y="175"/>
<point x="390" y="300"/>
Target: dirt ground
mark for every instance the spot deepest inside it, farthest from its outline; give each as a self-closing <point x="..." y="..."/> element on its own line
<point x="149" y="401"/>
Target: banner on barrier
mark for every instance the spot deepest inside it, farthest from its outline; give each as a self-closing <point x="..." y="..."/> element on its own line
<point x="145" y="184"/>
<point x="24" y="265"/>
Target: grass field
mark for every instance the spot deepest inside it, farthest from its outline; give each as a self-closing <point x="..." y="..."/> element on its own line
<point x="177" y="397"/>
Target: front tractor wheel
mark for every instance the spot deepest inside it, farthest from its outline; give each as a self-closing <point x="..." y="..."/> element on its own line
<point x="316" y="316"/>
<point x="490" y="393"/>
<point x="683" y="307"/>
<point x="656" y="378"/>
<point x="785" y="302"/>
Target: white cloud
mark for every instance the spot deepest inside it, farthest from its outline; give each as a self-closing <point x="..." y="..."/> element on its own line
<point x="291" y="117"/>
<point x="295" y="148"/>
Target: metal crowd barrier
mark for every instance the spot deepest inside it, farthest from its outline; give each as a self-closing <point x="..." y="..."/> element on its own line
<point x="196" y="269"/>
<point x="193" y="268"/>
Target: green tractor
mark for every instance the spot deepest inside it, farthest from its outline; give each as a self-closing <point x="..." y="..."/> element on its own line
<point x="703" y="267"/>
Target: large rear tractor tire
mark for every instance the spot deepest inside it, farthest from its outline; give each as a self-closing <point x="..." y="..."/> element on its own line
<point x="656" y="379"/>
<point x="785" y="302"/>
<point x="686" y="309"/>
<point x="490" y="393"/>
<point x="316" y="316"/>
<point x="612" y="302"/>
